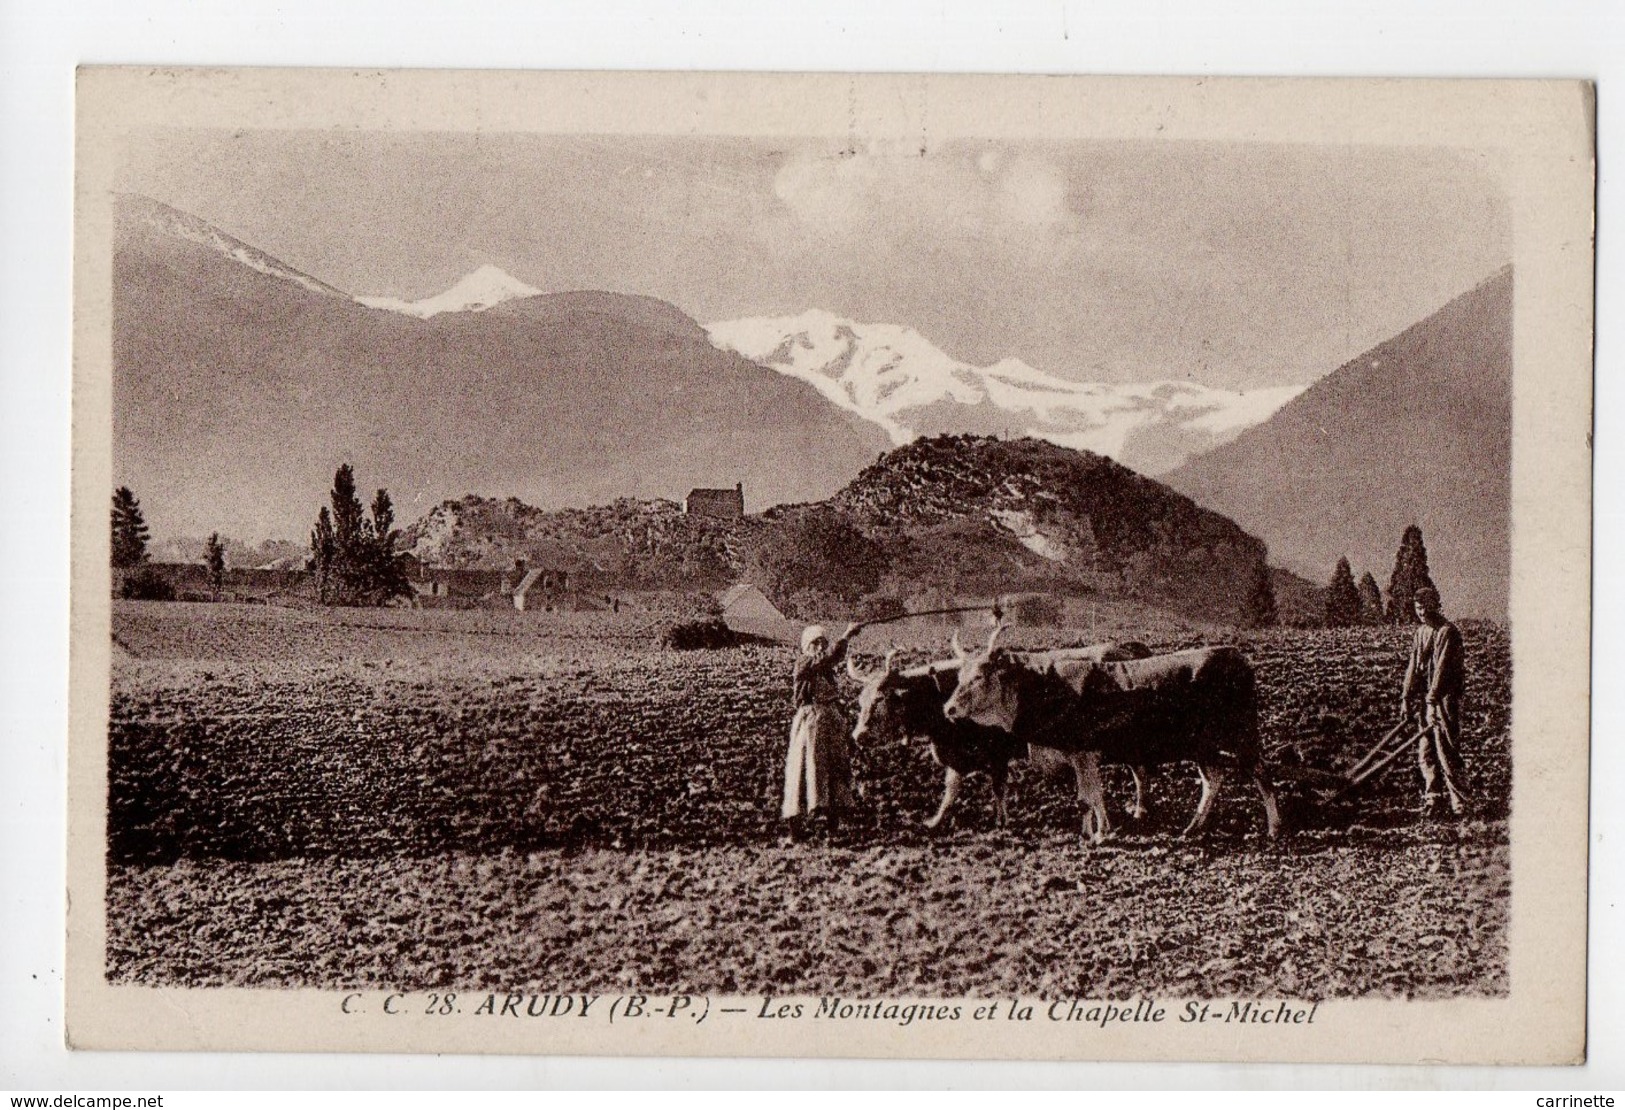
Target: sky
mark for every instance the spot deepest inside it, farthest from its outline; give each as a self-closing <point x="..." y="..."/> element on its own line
<point x="1235" y="265"/>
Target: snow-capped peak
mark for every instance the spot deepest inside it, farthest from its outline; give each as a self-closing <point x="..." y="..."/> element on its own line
<point x="485" y="288"/>
<point x="874" y="370"/>
<point x="896" y="378"/>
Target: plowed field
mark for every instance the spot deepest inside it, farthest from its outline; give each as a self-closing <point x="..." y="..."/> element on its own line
<point x="426" y="800"/>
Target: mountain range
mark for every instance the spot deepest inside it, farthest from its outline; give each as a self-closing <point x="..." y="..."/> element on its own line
<point x="240" y="384"/>
<point x="485" y="288"/>
<point x="896" y="378"/>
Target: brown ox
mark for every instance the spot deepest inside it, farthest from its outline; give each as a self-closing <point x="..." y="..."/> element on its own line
<point x="908" y="704"/>
<point x="1197" y="705"/>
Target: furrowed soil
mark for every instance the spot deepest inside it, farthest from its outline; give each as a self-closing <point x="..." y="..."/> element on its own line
<point x="432" y="800"/>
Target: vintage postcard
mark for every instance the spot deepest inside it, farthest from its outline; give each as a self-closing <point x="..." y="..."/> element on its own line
<point x="921" y="566"/>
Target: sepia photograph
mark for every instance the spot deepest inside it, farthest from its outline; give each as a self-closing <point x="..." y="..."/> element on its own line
<point x="923" y="566"/>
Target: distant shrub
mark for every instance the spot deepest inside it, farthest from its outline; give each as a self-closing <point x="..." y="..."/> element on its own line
<point x="818" y="552"/>
<point x="702" y="635"/>
<point x="1039" y="610"/>
<point x="146" y="584"/>
<point x="878" y="607"/>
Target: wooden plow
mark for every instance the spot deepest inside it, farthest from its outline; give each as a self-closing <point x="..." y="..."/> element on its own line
<point x="1333" y="787"/>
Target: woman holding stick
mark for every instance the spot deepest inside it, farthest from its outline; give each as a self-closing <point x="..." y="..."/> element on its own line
<point x="818" y="765"/>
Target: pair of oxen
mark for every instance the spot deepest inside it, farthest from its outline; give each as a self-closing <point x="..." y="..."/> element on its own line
<point x="1077" y="709"/>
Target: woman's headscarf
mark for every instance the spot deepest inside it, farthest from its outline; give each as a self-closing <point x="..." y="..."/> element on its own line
<point x="809" y="634"/>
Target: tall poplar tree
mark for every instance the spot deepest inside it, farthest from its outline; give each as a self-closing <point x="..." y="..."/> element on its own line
<point x="348" y="577"/>
<point x="354" y="555"/>
<point x="387" y="574"/>
<point x="214" y="555"/>
<point x="324" y="553"/>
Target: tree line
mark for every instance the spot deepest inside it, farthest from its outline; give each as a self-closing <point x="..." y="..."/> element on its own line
<point x="131" y="538"/>
<point x="352" y="551"/>
<point x="1348" y="603"/>
<point x="354" y="561"/>
<point x="354" y="554"/>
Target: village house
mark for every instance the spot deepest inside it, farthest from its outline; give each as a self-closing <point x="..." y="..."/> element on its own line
<point x="455" y="584"/>
<point x="530" y="585"/>
<point x="728" y="504"/>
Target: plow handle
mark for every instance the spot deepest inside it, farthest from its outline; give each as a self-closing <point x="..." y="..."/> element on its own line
<point x="1380" y="748"/>
<point x="1379" y="758"/>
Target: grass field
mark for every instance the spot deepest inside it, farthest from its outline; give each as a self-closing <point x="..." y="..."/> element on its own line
<point x="485" y="799"/>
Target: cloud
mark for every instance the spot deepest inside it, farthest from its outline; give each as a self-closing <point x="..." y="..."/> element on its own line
<point x="892" y="189"/>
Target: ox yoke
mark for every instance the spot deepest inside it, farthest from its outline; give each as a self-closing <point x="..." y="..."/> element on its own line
<point x="1177" y="670"/>
<point x="1094" y="653"/>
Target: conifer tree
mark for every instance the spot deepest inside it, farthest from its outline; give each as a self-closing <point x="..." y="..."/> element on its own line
<point x="1410" y="574"/>
<point x="1370" y="600"/>
<point x="214" y="554"/>
<point x="348" y="575"/>
<point x="130" y="533"/>
<point x="1342" y="598"/>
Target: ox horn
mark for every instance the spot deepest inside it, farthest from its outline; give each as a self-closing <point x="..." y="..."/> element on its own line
<point x="959" y="649"/>
<point x="891" y="661"/>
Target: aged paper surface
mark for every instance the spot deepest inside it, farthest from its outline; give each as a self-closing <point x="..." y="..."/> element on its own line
<point x="514" y="816"/>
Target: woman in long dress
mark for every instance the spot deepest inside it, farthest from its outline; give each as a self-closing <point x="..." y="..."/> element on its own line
<point x="818" y="766"/>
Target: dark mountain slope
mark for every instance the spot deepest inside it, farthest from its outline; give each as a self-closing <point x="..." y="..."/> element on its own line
<point x="1417" y="430"/>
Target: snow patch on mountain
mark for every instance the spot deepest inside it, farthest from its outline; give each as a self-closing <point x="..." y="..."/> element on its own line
<point x="1023" y="525"/>
<point x="1251" y="407"/>
<point x="896" y="378"/>
<point x="485" y="288"/>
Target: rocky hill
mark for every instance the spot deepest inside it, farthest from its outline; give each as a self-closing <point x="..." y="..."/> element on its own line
<point x="951" y="517"/>
<point x="1052" y="512"/>
<point x="628" y="544"/>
